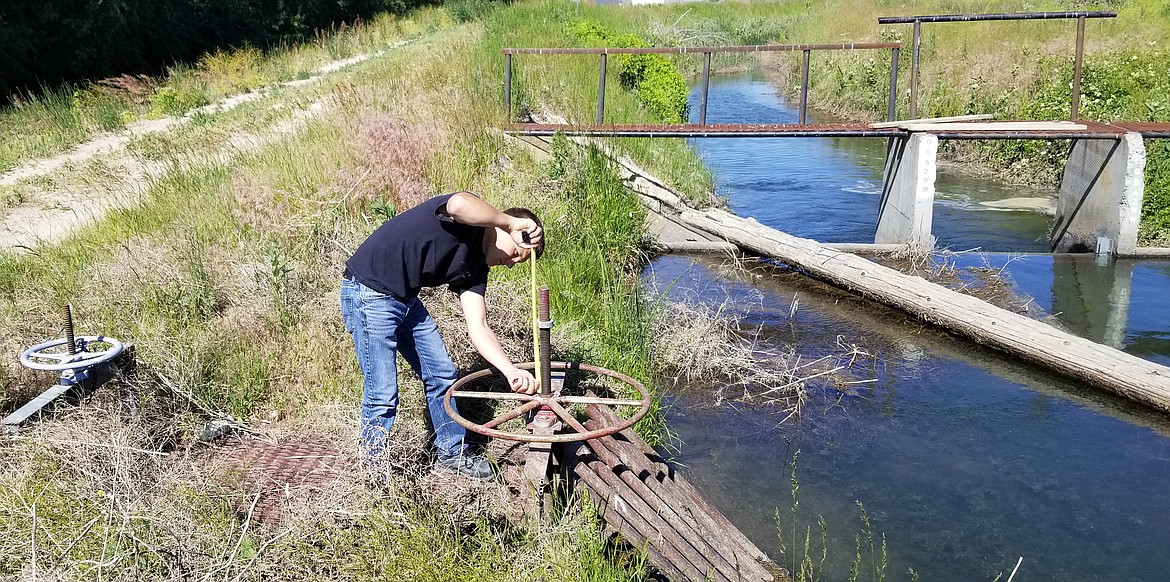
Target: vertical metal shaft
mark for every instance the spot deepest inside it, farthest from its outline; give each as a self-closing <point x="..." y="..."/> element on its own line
<point x="601" y="92"/>
<point x="70" y="340"/>
<point x="892" y="106"/>
<point x="1076" y="87"/>
<point x="706" y="83"/>
<point x="545" y="345"/>
<point x="508" y="86"/>
<point x="914" y="69"/>
<point x="804" y="87"/>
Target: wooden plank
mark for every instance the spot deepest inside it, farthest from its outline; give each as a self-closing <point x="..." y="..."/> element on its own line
<point x="605" y="485"/>
<point x="998" y="126"/>
<point x="903" y="122"/>
<point x="1035" y="341"/>
<point x="702" y="538"/>
<point x="641" y="458"/>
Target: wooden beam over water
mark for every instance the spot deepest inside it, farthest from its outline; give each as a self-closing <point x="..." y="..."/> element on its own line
<point x="1095" y="364"/>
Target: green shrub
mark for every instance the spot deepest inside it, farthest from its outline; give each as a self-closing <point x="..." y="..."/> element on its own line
<point x="1155" y="229"/>
<point x="468" y="10"/>
<point x="657" y="82"/>
<point x="168" y="101"/>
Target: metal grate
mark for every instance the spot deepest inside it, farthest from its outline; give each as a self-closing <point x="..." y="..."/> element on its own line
<point x="276" y="473"/>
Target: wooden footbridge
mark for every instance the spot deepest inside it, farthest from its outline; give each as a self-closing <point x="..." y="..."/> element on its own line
<point x="951" y="130"/>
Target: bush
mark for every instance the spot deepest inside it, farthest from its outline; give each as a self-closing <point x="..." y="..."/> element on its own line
<point x="171" y="101"/>
<point x="658" y="83"/>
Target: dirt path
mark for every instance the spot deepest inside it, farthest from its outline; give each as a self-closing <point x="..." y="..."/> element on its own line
<point x="49" y="215"/>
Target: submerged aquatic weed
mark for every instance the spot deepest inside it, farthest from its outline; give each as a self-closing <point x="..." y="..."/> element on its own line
<point x="808" y="559"/>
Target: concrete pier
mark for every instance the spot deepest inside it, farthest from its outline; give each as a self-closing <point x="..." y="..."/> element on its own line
<point x="1101" y="196"/>
<point x="907" y="203"/>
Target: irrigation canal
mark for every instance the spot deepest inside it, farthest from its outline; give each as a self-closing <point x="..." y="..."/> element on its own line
<point x="964" y="460"/>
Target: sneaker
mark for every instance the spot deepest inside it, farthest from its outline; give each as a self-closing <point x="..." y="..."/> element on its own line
<point x="468" y="465"/>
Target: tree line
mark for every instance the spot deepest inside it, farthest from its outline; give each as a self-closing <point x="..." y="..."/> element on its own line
<point x="44" y="43"/>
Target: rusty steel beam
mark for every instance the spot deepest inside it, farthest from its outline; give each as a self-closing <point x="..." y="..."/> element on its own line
<point x="1148" y="129"/>
<point x="689" y="130"/>
<point x="683" y="50"/>
<point x="1093" y="130"/>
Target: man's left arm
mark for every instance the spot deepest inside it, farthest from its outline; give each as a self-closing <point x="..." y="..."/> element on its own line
<point x="488" y="345"/>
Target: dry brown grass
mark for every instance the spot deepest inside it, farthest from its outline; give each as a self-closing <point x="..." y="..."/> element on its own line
<point x="396" y="152"/>
<point x="134" y="88"/>
<point x="711" y="350"/>
<point x="990" y="284"/>
<point x="197" y="512"/>
<point x="258" y="205"/>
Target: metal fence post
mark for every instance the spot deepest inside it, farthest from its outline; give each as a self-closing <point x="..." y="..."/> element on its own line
<point x="1076" y="87"/>
<point x="706" y="83"/>
<point x="508" y="84"/>
<point x="601" y="92"/>
<point x="914" y="69"/>
<point x="892" y="106"/>
<point x="804" y="87"/>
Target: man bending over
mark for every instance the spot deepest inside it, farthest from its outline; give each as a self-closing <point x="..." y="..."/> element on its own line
<point x="448" y="240"/>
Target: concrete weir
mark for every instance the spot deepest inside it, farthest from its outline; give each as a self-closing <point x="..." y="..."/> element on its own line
<point x="907" y="204"/>
<point x="1101" y="196"/>
<point x="1093" y="363"/>
<point x="1098" y="208"/>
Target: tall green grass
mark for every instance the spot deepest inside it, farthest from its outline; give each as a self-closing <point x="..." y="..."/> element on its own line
<point x="58" y="118"/>
<point x="566" y="85"/>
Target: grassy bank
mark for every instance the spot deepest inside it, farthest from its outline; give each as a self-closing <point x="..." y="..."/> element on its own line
<point x="60" y="118"/>
<point x="224" y="276"/>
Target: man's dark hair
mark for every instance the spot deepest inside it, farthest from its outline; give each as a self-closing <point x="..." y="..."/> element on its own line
<point x="526" y="213"/>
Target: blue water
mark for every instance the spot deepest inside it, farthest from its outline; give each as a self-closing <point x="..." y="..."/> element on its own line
<point x="1124" y="304"/>
<point x="963" y="459"/>
<point x="829" y="189"/>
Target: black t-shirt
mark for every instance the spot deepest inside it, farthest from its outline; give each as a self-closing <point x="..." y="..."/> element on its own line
<point x="422" y="247"/>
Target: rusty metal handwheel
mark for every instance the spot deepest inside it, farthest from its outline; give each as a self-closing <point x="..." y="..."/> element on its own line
<point x="555" y="403"/>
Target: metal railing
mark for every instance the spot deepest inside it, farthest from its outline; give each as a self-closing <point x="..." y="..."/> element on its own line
<point x="918" y="20"/>
<point x="707" y="51"/>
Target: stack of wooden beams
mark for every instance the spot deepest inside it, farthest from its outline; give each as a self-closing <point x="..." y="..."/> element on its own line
<point x="653" y="507"/>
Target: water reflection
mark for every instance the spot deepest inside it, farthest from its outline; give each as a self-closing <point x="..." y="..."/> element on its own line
<point x="965" y="460"/>
<point x="1122" y="304"/>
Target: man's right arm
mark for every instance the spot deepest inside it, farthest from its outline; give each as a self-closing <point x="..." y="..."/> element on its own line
<point x="467" y="208"/>
<point x="488" y="345"/>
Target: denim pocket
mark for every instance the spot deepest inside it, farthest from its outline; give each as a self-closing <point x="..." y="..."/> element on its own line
<point x="349" y="296"/>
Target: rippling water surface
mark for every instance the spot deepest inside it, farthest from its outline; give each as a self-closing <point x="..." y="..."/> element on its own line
<point x="964" y="460"/>
<point x="828" y="189"/>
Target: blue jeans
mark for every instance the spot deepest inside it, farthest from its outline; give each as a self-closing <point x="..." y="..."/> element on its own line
<point x="382" y="326"/>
